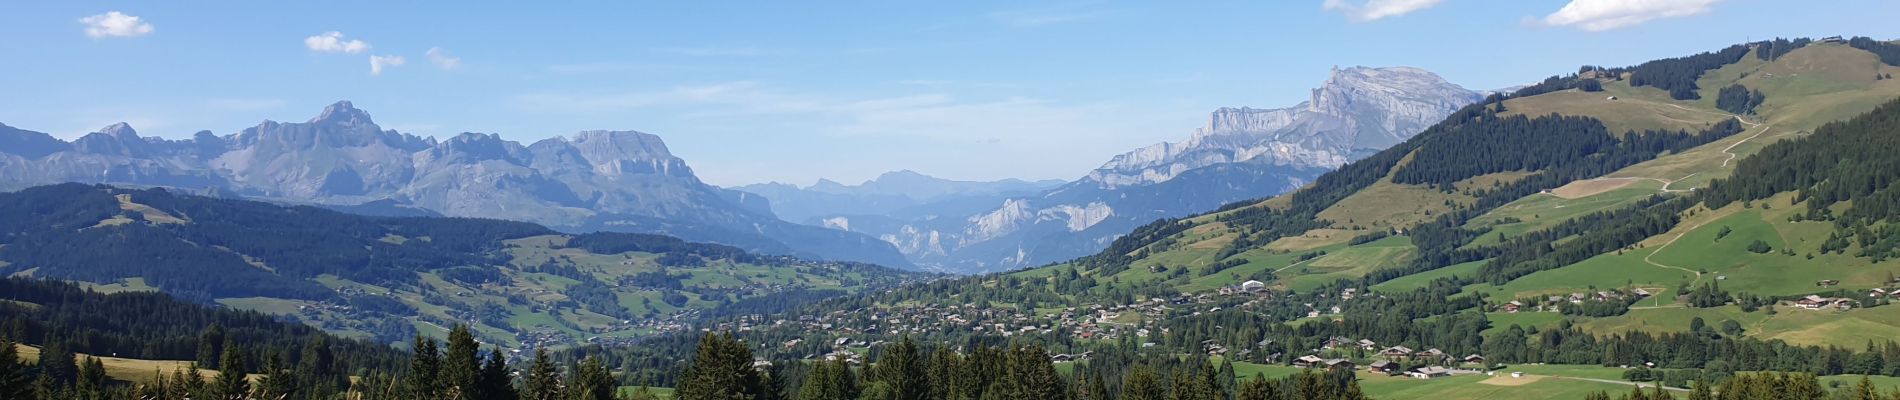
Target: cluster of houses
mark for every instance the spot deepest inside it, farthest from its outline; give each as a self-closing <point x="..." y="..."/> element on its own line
<point x="1550" y="303"/>
<point x="1813" y="302"/>
<point x="1391" y="360"/>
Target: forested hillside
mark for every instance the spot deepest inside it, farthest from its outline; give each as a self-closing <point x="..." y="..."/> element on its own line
<point x="391" y="278"/>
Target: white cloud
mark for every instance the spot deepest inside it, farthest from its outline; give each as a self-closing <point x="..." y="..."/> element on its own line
<point x="441" y="58"/>
<point x="1603" y="15"/>
<point x="1373" y="10"/>
<point x="115" y="24"/>
<point x="332" y="42"/>
<point x="378" y="63"/>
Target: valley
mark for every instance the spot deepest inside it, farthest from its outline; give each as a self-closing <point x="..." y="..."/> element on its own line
<point x="1703" y="219"/>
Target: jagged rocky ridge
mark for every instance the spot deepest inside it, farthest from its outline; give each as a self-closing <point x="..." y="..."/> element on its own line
<point x="1239" y="153"/>
<point x="596" y="180"/>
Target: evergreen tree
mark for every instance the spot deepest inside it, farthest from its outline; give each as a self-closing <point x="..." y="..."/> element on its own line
<point x="497" y="381"/>
<point x="721" y="369"/>
<point x="829" y="380"/>
<point x="210" y="346"/>
<point x="592" y="381"/>
<point x="544" y="382"/>
<point x="317" y="372"/>
<point x="1700" y="391"/>
<point x="276" y="382"/>
<point x="1141" y="383"/>
<point x="425" y="368"/>
<point x="15" y="383"/>
<point x="56" y="363"/>
<point x="1225" y="377"/>
<point x="902" y="369"/>
<point x="92" y="379"/>
<point x="232" y="381"/>
<point x="461" y="365"/>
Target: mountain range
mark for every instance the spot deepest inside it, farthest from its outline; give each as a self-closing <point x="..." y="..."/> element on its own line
<point x="892" y="193"/>
<point x="623" y="181"/>
<point x="1238" y="153"/>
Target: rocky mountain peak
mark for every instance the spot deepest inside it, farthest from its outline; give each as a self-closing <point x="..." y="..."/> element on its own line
<point x="343" y="113"/>
<point x="1356" y="108"/>
<point x="116" y="139"/>
<point x="120" y="130"/>
<point x="615" y="153"/>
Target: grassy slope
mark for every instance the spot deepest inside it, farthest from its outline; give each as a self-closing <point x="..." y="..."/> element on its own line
<point x="545" y="290"/>
<point x="1804" y="89"/>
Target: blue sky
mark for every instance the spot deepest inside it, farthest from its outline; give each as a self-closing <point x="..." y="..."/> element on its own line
<point x="795" y="91"/>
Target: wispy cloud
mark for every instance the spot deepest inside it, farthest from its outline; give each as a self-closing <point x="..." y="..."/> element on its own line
<point x="378" y="63"/>
<point x="717" y="51"/>
<point x="1373" y="10"/>
<point x="442" y="59"/>
<point x="115" y="24"/>
<point x="1603" y="15"/>
<point x="333" y="42"/>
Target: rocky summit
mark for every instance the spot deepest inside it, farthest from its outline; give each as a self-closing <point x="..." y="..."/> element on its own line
<point x="1238" y="154"/>
<point x="595" y="180"/>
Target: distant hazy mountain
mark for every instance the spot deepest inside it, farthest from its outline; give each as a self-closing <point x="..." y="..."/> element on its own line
<point x="893" y="192"/>
<point x="1239" y="153"/>
<point x="596" y="180"/>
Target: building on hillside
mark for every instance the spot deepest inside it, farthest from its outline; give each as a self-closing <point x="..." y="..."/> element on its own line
<point x="1308" y="361"/>
<point x="1383" y="367"/>
<point x="1474" y="359"/>
<point x="1396" y="352"/>
<point x="1340" y="363"/>
<point x="1253" y="286"/>
<point x="1429" y="372"/>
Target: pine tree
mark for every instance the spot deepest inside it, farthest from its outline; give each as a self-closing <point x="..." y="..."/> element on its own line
<point x="497" y="382"/>
<point x="721" y="369"/>
<point x="592" y="381"/>
<point x="209" y="346"/>
<point x="1865" y="391"/>
<point x="902" y="369"/>
<point x="544" y="382"/>
<point x="57" y="364"/>
<point x="92" y="378"/>
<point x="231" y="382"/>
<point x="14" y="381"/>
<point x="276" y="382"/>
<point x="317" y="373"/>
<point x="425" y="368"/>
<point x="461" y="365"/>
<point x="1700" y="390"/>
<point x="45" y="389"/>
<point x="1258" y="389"/>
<point x="180" y="385"/>
<point x="829" y="380"/>
<point x="1225" y="376"/>
<point x="1141" y="384"/>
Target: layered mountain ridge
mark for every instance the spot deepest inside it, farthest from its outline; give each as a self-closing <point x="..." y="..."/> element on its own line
<point x="595" y="180"/>
<point x="1239" y="153"/>
<point x="1356" y="109"/>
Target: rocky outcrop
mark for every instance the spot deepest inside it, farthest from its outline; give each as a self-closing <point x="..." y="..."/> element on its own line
<point x="1237" y="154"/>
<point x="604" y="180"/>
<point x="1355" y="110"/>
